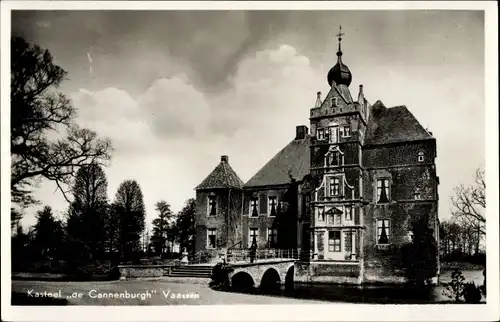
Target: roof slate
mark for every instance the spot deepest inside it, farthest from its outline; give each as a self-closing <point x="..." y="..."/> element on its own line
<point x="223" y="176"/>
<point x="393" y="125"/>
<point x="292" y="161"/>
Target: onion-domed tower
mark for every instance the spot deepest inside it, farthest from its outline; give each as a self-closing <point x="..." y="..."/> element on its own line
<point x="340" y="73"/>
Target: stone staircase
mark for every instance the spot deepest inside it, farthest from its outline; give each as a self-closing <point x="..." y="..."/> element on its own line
<point x="200" y="271"/>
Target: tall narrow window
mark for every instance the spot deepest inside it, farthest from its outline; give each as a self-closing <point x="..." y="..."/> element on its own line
<point x="333" y="134"/>
<point x="382" y="190"/>
<point x="212" y="206"/>
<point x="321" y="214"/>
<point x="211" y="238"/>
<point x="253" y="207"/>
<point x="347" y="131"/>
<point x="334" y="241"/>
<point x="421" y="156"/>
<point x="272" y="206"/>
<point x="383" y="231"/>
<point x="337" y="219"/>
<point x="348" y="213"/>
<point x="253" y="235"/>
<point x="417" y="195"/>
<point x="281" y="206"/>
<point x="348" y="235"/>
<point x="320" y="134"/>
<point x="334" y="186"/>
<point x="334" y="101"/>
<point x="272" y="237"/>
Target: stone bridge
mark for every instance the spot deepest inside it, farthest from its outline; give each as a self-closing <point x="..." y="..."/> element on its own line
<point x="269" y="274"/>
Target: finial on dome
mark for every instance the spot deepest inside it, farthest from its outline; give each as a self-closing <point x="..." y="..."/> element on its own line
<point x="340" y="73"/>
<point x="340" y="34"/>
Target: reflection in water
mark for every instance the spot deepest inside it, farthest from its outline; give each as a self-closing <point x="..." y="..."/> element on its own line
<point x="385" y="294"/>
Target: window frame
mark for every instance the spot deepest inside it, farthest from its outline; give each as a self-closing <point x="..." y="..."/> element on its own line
<point x="333" y="129"/>
<point x="272" y="232"/>
<point x="214" y="230"/>
<point x="321" y="214"/>
<point x="334" y="102"/>
<point x="251" y="206"/>
<point x="332" y="183"/>
<point x="348" y="210"/>
<point x="209" y="212"/>
<point x="348" y="127"/>
<point x="421" y="156"/>
<point x="250" y="239"/>
<point x="388" y="230"/>
<point x="269" y="212"/>
<point x="379" y="194"/>
<point x="332" y="242"/>
<point x="320" y="134"/>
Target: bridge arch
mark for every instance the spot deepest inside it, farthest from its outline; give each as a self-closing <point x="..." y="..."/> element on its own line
<point x="289" y="278"/>
<point x="270" y="280"/>
<point x="242" y="280"/>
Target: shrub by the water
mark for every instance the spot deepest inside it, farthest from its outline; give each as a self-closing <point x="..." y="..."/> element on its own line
<point x="472" y="293"/>
<point x="220" y="276"/>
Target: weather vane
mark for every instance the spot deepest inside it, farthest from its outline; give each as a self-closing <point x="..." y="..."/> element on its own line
<point x="340" y="34"/>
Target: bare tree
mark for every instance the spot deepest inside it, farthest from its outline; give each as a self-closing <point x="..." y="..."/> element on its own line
<point x="45" y="140"/>
<point x="469" y="204"/>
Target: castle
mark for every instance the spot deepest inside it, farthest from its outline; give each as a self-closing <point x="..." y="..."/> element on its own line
<point x="345" y="192"/>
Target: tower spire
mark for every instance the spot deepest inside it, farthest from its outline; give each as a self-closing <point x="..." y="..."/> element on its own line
<point x="339" y="35"/>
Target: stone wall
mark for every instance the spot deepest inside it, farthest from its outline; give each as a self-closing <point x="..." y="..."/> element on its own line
<point x="135" y="271"/>
<point x="327" y="273"/>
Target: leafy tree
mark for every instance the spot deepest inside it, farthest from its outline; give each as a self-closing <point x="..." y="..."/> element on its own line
<point x="89" y="210"/>
<point x="468" y="206"/>
<point x="49" y="234"/>
<point x="161" y="227"/>
<point x="184" y="226"/>
<point x="420" y="256"/>
<point x="130" y="215"/>
<point x="39" y="112"/>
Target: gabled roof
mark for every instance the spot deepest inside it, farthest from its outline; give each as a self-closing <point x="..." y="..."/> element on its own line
<point x="292" y="161"/>
<point x="223" y="176"/>
<point x="392" y="125"/>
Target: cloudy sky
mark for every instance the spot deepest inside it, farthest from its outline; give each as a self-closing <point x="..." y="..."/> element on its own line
<point x="176" y="90"/>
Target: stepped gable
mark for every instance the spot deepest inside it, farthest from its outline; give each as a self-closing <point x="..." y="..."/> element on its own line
<point x="223" y="176"/>
<point x="292" y="161"/>
<point x="393" y="125"/>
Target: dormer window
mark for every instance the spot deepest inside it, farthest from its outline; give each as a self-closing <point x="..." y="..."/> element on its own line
<point x="417" y="195"/>
<point x="421" y="156"/>
<point x="320" y="134"/>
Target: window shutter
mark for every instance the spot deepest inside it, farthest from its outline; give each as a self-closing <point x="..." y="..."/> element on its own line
<point x="263" y="204"/>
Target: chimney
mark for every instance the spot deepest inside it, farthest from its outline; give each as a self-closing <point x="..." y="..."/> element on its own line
<point x="318" y="100"/>
<point x="224" y="159"/>
<point x="301" y="132"/>
<point x="361" y="96"/>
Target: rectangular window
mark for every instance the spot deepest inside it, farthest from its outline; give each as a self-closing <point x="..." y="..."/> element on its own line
<point x="211" y="238"/>
<point x="348" y="213"/>
<point x="337" y="219"/>
<point x="334" y="241"/>
<point x="334" y="101"/>
<point x="321" y="214"/>
<point x="335" y="158"/>
<point x="253" y="207"/>
<point x="281" y="207"/>
<point x="212" y="206"/>
<point x="348" y="235"/>
<point x="307" y="204"/>
<point x="383" y="231"/>
<point x="253" y="236"/>
<point x="347" y="131"/>
<point x="272" y="206"/>
<point x="334" y="186"/>
<point x="420" y="156"/>
<point x="383" y="190"/>
<point x="263" y="204"/>
<point x="333" y="134"/>
<point x="320" y="135"/>
<point x="272" y="237"/>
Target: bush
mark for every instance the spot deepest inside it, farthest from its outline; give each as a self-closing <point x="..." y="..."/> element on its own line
<point x="472" y="293"/>
<point x="456" y="286"/>
<point x="220" y="276"/>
